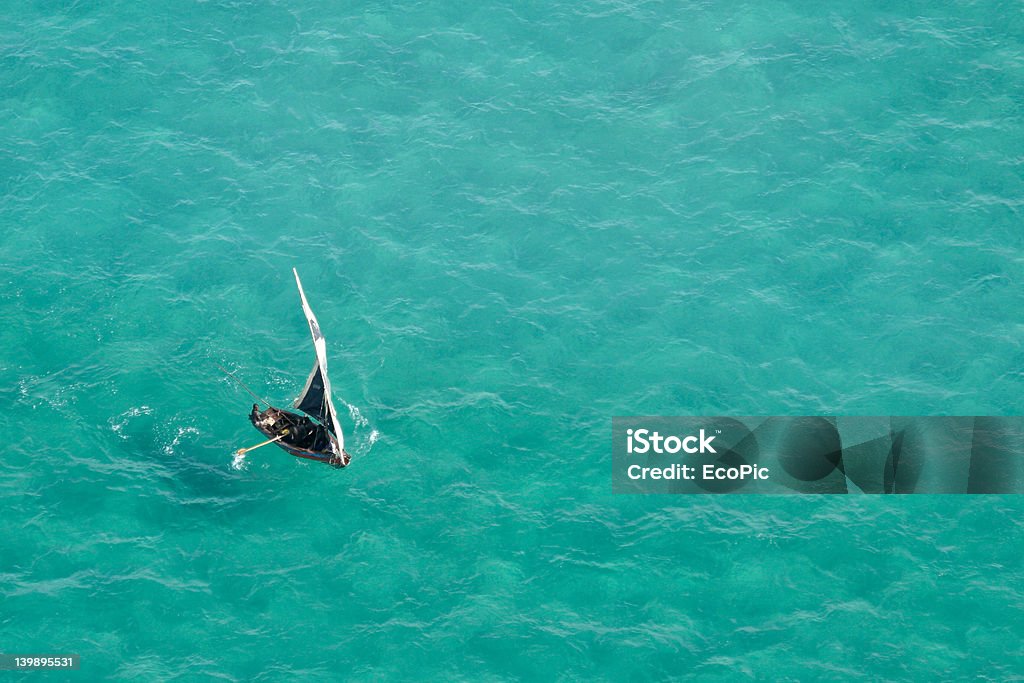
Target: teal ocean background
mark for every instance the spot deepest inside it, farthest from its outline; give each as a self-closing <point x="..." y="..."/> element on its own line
<point x="514" y="221"/>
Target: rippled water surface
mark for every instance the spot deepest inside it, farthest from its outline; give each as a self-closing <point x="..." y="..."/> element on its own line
<point x="514" y="220"/>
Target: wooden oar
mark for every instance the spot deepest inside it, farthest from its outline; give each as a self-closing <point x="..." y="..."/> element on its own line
<point x="243" y="451"/>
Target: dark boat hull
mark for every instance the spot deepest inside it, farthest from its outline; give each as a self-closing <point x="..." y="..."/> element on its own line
<point x="304" y="437"/>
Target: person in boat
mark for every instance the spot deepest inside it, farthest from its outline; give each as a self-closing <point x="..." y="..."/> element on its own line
<point x="296" y="431"/>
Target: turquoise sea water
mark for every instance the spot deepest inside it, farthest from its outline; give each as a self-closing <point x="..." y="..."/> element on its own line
<point x="514" y="221"/>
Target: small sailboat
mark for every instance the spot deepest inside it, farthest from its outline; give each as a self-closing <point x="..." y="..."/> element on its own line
<point x="314" y="432"/>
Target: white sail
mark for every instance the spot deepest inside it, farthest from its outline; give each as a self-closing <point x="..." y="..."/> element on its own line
<point x="315" y="399"/>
